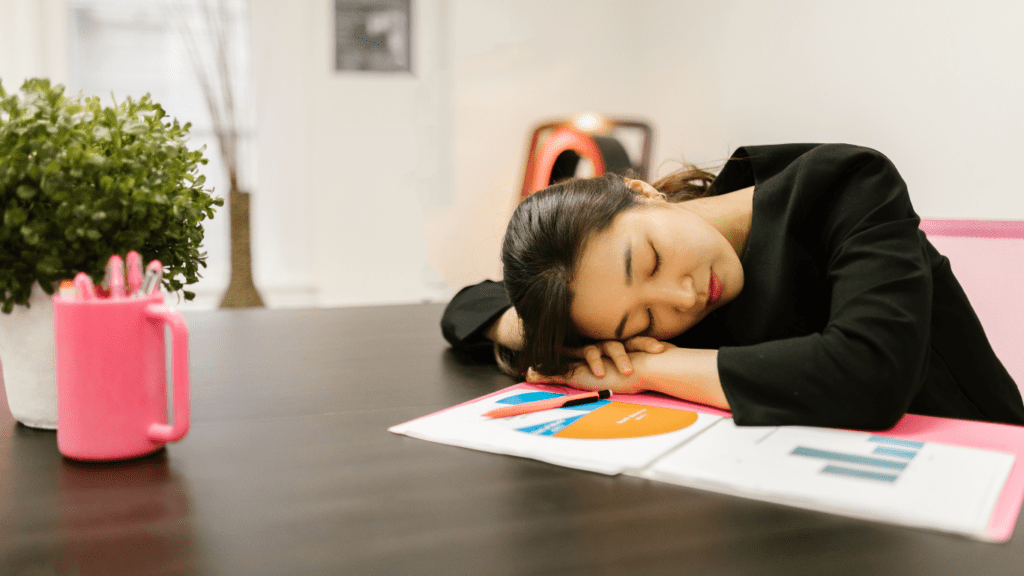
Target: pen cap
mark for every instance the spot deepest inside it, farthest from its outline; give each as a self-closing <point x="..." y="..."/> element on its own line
<point x="114" y="279"/>
<point x="134" y="264"/>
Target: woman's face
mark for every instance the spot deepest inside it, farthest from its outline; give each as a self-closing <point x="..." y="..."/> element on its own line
<point x="656" y="271"/>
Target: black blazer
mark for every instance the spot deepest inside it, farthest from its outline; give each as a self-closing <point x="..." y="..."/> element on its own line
<point x="848" y="317"/>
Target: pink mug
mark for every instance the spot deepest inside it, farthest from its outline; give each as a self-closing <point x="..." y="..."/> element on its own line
<point x="111" y="376"/>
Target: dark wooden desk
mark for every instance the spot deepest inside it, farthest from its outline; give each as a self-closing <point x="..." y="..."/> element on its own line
<point x="289" y="469"/>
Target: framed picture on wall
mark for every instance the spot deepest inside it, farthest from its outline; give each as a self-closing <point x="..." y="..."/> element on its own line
<point x="372" y="35"/>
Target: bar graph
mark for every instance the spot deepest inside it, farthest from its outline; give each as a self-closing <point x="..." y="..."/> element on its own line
<point x="887" y="457"/>
<point x="861" y="474"/>
<point x="855" y="473"/>
<point x="897" y="442"/>
<point x="897" y="452"/>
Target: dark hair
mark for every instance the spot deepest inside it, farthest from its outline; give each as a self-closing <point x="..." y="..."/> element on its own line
<point x="542" y="247"/>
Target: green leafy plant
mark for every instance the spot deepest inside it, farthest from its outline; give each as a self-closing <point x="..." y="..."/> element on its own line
<point x="80" y="182"/>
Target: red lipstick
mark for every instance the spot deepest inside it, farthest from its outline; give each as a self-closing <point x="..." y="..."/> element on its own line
<point x="714" y="289"/>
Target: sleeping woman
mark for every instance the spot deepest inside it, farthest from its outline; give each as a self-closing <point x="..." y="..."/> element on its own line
<point x="793" y="288"/>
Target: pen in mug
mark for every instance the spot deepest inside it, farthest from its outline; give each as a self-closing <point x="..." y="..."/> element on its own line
<point x="115" y="276"/>
<point x="154" y="274"/>
<point x="134" y="263"/>
<point x="83" y="287"/>
<point x="107" y="274"/>
<point x="105" y="283"/>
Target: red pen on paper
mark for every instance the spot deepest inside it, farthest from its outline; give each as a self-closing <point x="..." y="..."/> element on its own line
<point x="549" y="404"/>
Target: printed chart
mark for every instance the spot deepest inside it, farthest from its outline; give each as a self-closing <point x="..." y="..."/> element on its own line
<point x="855" y="473"/>
<point x="606" y="436"/>
<point x="888" y="457"/>
<point x="601" y="420"/>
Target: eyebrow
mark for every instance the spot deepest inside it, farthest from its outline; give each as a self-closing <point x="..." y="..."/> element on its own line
<point x="629" y="282"/>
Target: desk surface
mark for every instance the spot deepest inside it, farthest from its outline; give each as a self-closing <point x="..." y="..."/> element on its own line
<point x="288" y="469"/>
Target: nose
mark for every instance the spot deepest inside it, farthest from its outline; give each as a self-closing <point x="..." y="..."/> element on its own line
<point x="680" y="295"/>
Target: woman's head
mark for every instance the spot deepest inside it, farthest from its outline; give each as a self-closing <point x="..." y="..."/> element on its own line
<point x="609" y="258"/>
<point x="542" y="246"/>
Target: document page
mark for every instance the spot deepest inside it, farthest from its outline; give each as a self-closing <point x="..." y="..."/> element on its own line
<point x="605" y="436"/>
<point x="858" y="474"/>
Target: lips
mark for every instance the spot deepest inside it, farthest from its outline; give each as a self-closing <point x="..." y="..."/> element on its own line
<point x="714" y="289"/>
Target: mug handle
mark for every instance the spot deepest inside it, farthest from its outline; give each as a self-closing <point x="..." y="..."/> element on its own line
<point x="179" y="364"/>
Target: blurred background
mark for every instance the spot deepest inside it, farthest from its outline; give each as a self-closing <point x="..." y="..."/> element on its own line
<point x="384" y="142"/>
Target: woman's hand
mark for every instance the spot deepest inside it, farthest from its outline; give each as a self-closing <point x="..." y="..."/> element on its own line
<point x="583" y="378"/>
<point x="687" y="373"/>
<point x="609" y="374"/>
<point x="596" y="354"/>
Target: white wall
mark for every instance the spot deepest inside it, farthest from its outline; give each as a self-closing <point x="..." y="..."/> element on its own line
<point x="33" y="41"/>
<point x="359" y="156"/>
<point x="516" y="64"/>
<point x="935" y="85"/>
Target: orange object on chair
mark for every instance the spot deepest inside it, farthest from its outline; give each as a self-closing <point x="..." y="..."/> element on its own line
<point x="566" y="144"/>
<point x="539" y="166"/>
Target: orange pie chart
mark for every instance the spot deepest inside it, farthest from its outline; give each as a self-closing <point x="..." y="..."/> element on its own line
<point x="621" y="420"/>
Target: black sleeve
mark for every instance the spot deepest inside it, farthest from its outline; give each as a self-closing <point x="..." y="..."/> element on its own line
<point x="867" y="364"/>
<point x="470" y="312"/>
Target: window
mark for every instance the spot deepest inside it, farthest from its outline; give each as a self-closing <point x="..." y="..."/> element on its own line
<point x="128" y="48"/>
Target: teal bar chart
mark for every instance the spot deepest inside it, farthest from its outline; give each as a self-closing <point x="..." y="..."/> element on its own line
<point x="874" y="467"/>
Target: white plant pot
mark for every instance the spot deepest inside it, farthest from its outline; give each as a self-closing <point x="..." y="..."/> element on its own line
<point x="28" y="361"/>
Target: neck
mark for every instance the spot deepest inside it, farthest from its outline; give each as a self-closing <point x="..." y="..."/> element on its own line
<point x="730" y="214"/>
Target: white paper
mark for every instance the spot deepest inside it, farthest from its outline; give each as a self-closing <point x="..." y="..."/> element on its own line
<point x="858" y="474"/>
<point x="543" y="435"/>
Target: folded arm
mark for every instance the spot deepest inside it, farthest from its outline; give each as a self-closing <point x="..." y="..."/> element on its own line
<point x="686" y="373"/>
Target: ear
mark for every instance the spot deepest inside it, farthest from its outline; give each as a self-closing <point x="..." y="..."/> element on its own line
<point x="641" y="187"/>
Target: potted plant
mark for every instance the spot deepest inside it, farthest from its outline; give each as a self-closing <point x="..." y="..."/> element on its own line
<point x="80" y="182"/>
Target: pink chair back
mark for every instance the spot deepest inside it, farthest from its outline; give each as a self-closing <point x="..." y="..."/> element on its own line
<point x="987" y="257"/>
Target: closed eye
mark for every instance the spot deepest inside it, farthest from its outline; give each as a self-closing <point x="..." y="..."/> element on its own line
<point x="650" y="315"/>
